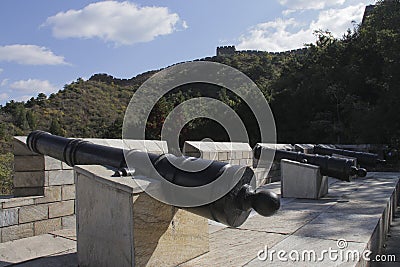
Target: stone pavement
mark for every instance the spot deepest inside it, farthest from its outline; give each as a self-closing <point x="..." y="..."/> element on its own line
<point x="55" y="249"/>
<point x="358" y="212"/>
<point x="392" y="244"/>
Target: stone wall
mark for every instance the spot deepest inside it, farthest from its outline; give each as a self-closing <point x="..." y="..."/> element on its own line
<point x="233" y="153"/>
<point x="44" y="190"/>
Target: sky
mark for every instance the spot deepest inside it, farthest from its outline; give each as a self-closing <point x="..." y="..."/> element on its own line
<point x="46" y="44"/>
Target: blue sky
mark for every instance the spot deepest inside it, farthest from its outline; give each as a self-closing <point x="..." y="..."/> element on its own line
<point x="45" y="44"/>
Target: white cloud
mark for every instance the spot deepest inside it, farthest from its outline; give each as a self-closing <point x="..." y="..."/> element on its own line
<point x="29" y="55"/>
<point x="33" y="86"/>
<point x="279" y="35"/>
<point x="122" y="23"/>
<point x="287" y="12"/>
<point x="22" y="98"/>
<point x="338" y="20"/>
<point x="310" y="4"/>
<point x="4" y="82"/>
<point x="274" y="36"/>
<point x="1" y="70"/>
<point x="4" y="97"/>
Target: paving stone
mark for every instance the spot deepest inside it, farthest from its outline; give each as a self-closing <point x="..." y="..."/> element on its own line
<point x="47" y="226"/>
<point x="67" y="258"/>
<point x="16" y="232"/>
<point x="283" y="222"/>
<point x="306" y="251"/>
<point x="333" y="225"/>
<point x="63" y="208"/>
<point x="66" y="233"/>
<point x="37" y="246"/>
<point x="234" y="247"/>
<point x="33" y="213"/>
<point x="214" y="226"/>
<point x="8" y="217"/>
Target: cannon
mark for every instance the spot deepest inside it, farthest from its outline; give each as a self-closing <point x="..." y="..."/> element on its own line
<point x="363" y="158"/>
<point x="339" y="168"/>
<point x="231" y="209"/>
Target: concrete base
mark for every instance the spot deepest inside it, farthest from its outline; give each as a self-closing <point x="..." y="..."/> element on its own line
<point x="118" y="224"/>
<point x="301" y="180"/>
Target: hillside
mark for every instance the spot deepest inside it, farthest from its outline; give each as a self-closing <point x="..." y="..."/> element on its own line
<point x="343" y="90"/>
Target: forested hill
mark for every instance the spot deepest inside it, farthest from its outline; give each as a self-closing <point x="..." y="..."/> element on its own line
<point x="343" y="90"/>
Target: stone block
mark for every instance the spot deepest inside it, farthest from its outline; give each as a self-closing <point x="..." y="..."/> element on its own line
<point x="29" y="179"/>
<point x="237" y="154"/>
<point x="222" y="156"/>
<point x="60" y="209"/>
<point x="152" y="146"/>
<point x="301" y="180"/>
<point x="17" y="202"/>
<point x="68" y="192"/>
<point x="235" y="162"/>
<point x="119" y="224"/>
<point x="304" y="148"/>
<point x="68" y="222"/>
<point x="16" y="232"/>
<point x="33" y="213"/>
<point x="65" y="166"/>
<point x="245" y="162"/>
<point x="28" y="191"/>
<point x="51" y="194"/>
<point x="60" y="177"/>
<point x="8" y="217"/>
<point x="28" y="163"/>
<point x="20" y="148"/>
<point x="47" y="226"/>
<point x="52" y="163"/>
<point x="247" y="154"/>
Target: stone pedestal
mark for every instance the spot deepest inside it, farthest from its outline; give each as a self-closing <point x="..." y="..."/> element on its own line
<point x="301" y="180"/>
<point x="118" y="224"/>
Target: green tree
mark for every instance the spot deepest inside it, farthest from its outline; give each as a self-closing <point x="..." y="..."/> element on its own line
<point x="55" y="127"/>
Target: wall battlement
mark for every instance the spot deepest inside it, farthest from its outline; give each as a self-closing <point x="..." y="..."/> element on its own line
<point x="231" y="50"/>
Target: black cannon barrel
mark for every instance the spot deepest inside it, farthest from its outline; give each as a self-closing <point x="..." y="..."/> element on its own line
<point x="363" y="158"/>
<point x="231" y="209"/>
<point x="339" y="168"/>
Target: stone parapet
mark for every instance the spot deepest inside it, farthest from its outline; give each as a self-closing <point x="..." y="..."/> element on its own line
<point x="44" y="190"/>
